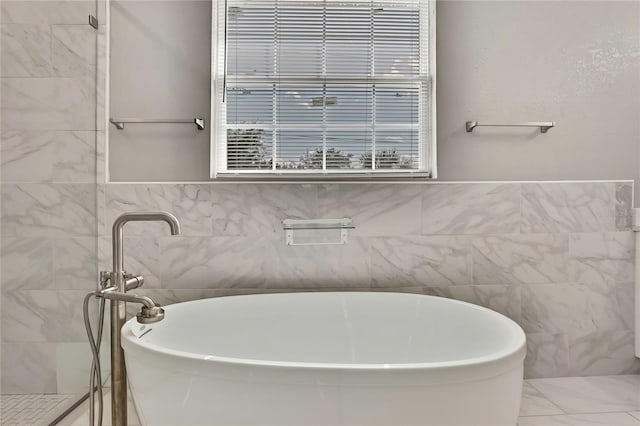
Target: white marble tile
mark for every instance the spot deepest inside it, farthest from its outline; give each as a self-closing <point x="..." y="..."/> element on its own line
<point x="568" y="207"/>
<point x="302" y="266"/>
<point x="74" y="50"/>
<point x="47" y="11"/>
<point x="103" y="228"/>
<point x="101" y="158"/>
<point x="105" y="254"/>
<point x="48" y="156"/>
<point x="318" y="267"/>
<point x="500" y="298"/>
<point x="43" y="316"/>
<point x="353" y="265"/>
<point x="191" y="204"/>
<point x="602" y="353"/>
<point x="600" y="419"/>
<point x="470" y="208"/>
<point x="28" y="367"/>
<point x="535" y="404"/>
<point x="26" y="50"/>
<point x="61" y="210"/>
<point x="603" y="309"/>
<point x="102" y="56"/>
<point x="601" y="257"/>
<point x="245" y="209"/>
<point x="141" y="257"/>
<point x="218" y="262"/>
<point x="422" y="261"/>
<point x="399" y="214"/>
<point x="27" y="263"/>
<point x="547" y="355"/>
<point x="554" y="308"/>
<point x="625" y="294"/>
<point x="557" y="308"/>
<point x="597" y="394"/>
<point x="74" y="157"/>
<point x="75" y="264"/>
<point x="48" y="103"/>
<point x="73" y="366"/>
<point x="185" y="263"/>
<point x="27" y="156"/>
<point x="519" y="259"/>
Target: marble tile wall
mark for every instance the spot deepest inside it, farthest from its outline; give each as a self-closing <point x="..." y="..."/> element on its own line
<point x="555" y="257"/>
<point x="48" y="192"/>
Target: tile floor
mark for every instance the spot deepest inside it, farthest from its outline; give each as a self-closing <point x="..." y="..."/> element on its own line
<point x="27" y="410"/>
<point x="581" y="401"/>
<point x="80" y="416"/>
<point x="565" y="401"/>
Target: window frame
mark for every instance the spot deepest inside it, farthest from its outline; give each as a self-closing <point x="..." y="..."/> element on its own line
<point x="428" y="124"/>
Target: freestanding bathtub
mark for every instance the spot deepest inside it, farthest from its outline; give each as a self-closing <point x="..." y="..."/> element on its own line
<point x="326" y="359"/>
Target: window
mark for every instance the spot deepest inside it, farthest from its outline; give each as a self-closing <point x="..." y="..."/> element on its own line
<point x="323" y="88"/>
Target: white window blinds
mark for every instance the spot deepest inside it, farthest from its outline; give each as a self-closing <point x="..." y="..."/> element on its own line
<point x="323" y="87"/>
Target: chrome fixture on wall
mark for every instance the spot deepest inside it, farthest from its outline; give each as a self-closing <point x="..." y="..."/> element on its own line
<point x="543" y="125"/>
<point x="317" y="231"/>
<point x="114" y="286"/>
<point x="119" y="122"/>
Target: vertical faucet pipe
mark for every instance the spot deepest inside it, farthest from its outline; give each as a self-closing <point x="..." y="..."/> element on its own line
<point x="118" y="312"/>
<point x="118" y="309"/>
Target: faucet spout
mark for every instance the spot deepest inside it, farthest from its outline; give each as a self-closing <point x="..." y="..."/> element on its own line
<point x="117" y="236"/>
<point x="170" y="219"/>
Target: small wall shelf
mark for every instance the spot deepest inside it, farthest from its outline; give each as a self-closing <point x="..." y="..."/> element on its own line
<point x="309" y="231"/>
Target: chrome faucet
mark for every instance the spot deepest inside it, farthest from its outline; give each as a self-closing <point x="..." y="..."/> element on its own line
<point x="115" y="285"/>
<point x="150" y="312"/>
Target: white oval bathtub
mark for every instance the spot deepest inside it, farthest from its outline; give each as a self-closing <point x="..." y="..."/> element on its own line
<point x="326" y="359"/>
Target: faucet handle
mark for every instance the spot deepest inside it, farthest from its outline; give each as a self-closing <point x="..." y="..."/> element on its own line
<point x="105" y="279"/>
<point x="132" y="282"/>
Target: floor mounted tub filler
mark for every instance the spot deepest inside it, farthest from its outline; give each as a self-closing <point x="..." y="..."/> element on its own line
<point x="326" y="359"/>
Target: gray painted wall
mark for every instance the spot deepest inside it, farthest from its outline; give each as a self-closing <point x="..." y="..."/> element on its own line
<point x="577" y="63"/>
<point x="160" y="62"/>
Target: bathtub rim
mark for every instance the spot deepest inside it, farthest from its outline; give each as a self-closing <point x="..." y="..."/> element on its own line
<point x="510" y="355"/>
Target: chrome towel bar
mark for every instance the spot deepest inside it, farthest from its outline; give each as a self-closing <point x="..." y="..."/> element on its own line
<point x="543" y="125"/>
<point x="120" y="122"/>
